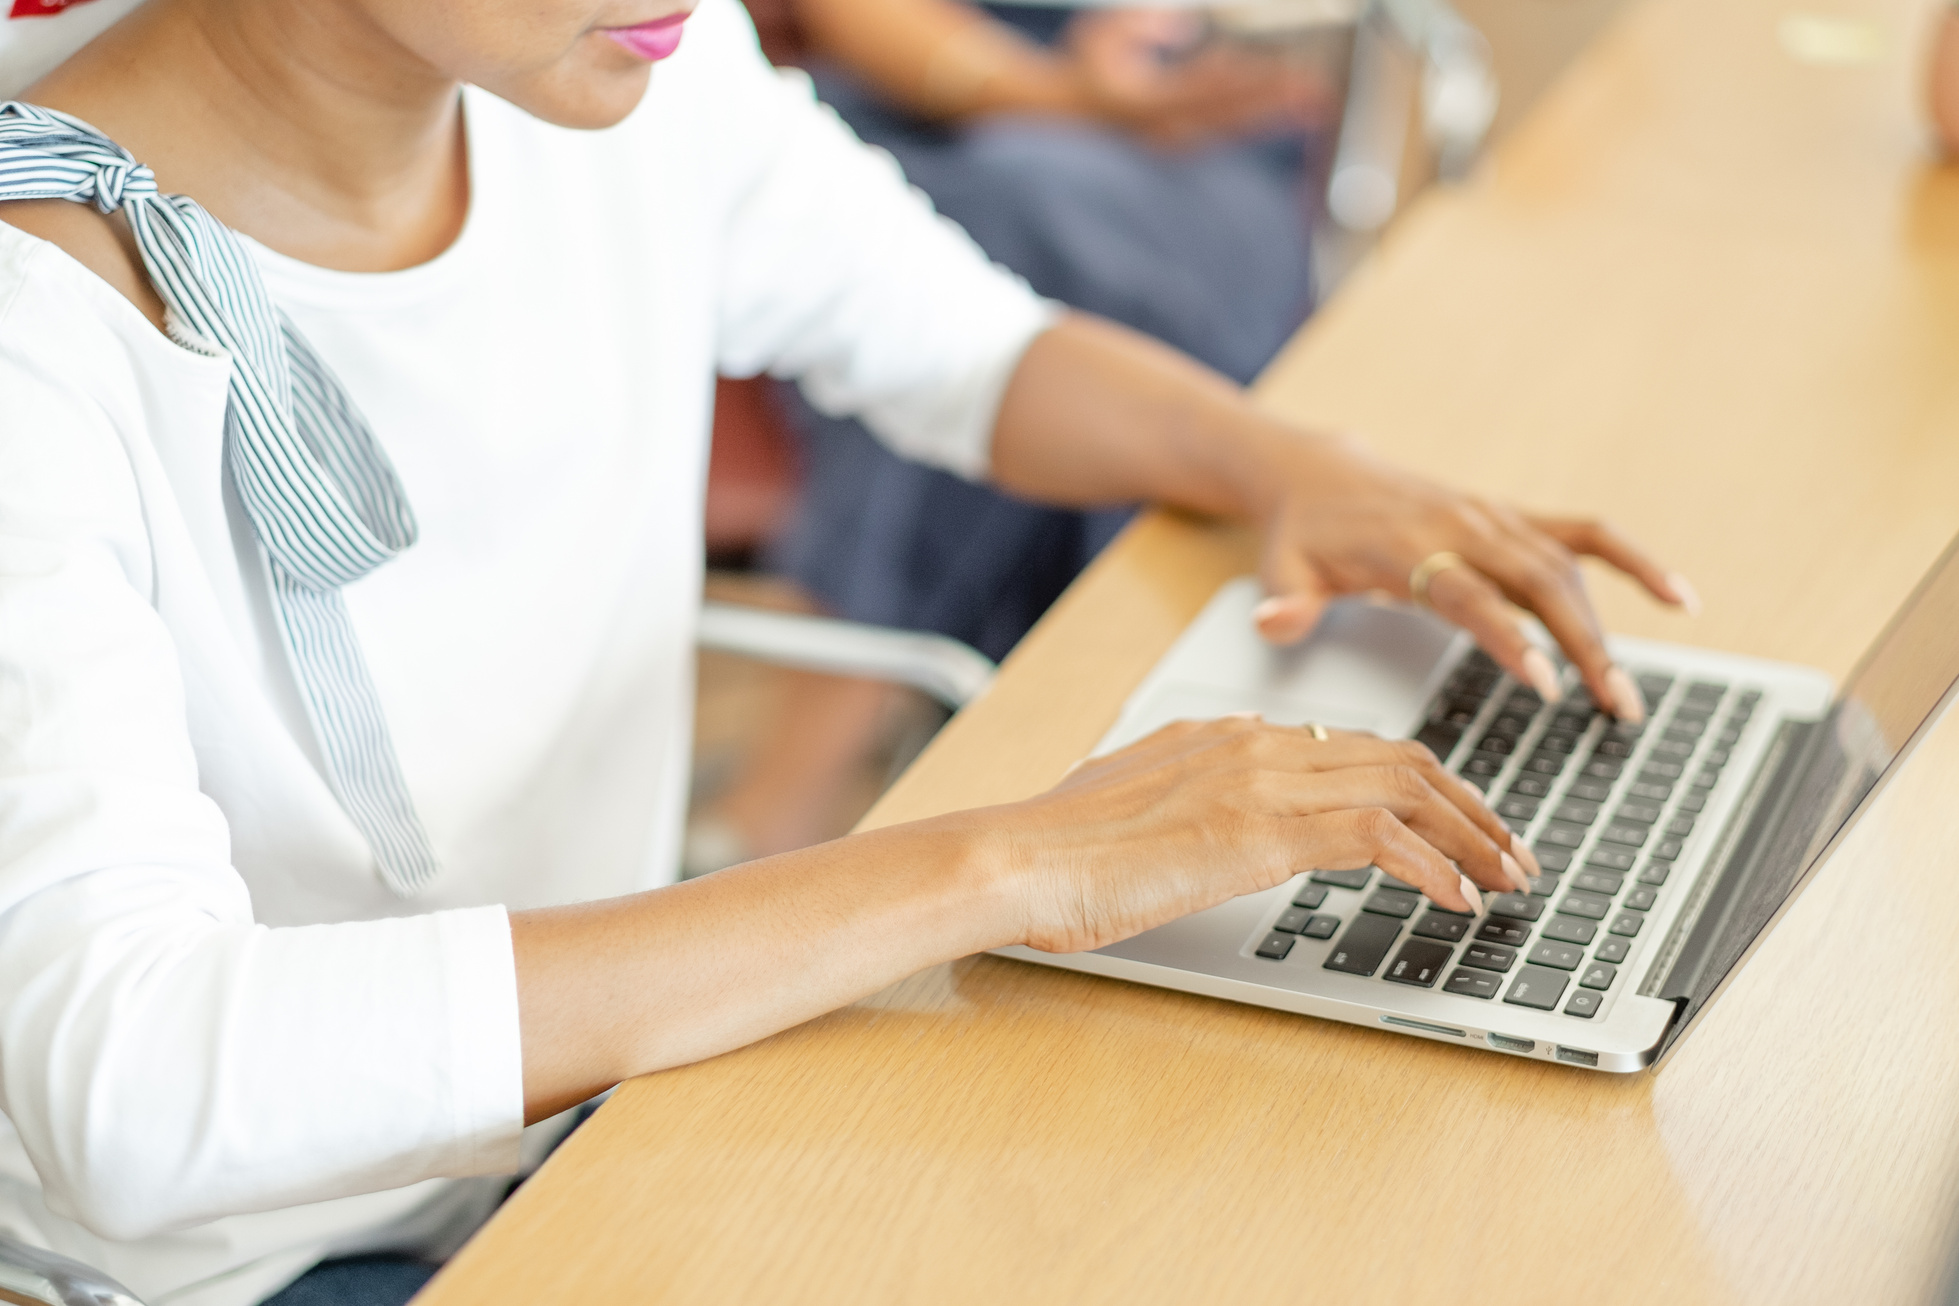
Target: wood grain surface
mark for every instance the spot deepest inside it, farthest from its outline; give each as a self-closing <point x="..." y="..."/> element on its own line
<point x="1707" y="289"/>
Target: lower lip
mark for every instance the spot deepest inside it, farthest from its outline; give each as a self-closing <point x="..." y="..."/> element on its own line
<point x="652" y="41"/>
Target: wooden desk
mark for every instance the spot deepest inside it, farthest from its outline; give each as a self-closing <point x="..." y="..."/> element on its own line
<point x="1707" y="290"/>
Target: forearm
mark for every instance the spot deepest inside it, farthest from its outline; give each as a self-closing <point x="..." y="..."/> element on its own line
<point x="1098" y="414"/>
<point x="1945" y="81"/>
<point x="938" y="58"/>
<point x="613" y="989"/>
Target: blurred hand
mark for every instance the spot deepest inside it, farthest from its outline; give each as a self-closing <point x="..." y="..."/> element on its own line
<point x="1344" y="522"/>
<point x="1138" y="69"/>
<point x="1199" y="813"/>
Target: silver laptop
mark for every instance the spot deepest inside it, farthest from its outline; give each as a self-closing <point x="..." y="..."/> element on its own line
<point x="1668" y="850"/>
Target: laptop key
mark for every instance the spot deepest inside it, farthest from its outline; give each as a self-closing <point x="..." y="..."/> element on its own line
<point x="1472" y="983"/>
<point x="1344" y="879"/>
<point x="1589" y="905"/>
<point x="1613" y="950"/>
<point x="1604" y="768"/>
<point x="1292" y="920"/>
<point x="1554" y="860"/>
<point x="1392" y="902"/>
<point x="1361" y="948"/>
<point x="1488" y="956"/>
<point x="1537" y="987"/>
<point x="1642" y="898"/>
<point x="1418" y="963"/>
<point x="1496" y="929"/>
<point x="1665" y="850"/>
<point x="1563" y="956"/>
<point x="1276" y="946"/>
<point x="1545" y="763"/>
<point x="1693" y="802"/>
<point x="1529" y="786"/>
<point x="1442" y="925"/>
<point x="1518" y="906"/>
<point x="1310" y="897"/>
<point x="1598" y="975"/>
<point x="1628" y="923"/>
<point x="1577" y="813"/>
<point x="1634" y="812"/>
<point x="1630" y="835"/>
<point x="1650" y="791"/>
<point x="1521" y="808"/>
<point x="1543" y="886"/>
<point x="1322" y="927"/>
<point x="1604" y="882"/>
<point x="1570" y="929"/>
<point x="1607" y="858"/>
<point x="1562" y="836"/>
<point x="1584" y="1003"/>
<point x="1680" y="826"/>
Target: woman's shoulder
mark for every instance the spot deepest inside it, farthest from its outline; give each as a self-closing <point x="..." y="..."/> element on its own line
<point x="70" y="335"/>
<point x="100" y="243"/>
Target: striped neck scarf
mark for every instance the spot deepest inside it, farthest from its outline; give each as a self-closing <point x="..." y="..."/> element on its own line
<point x="323" y="499"/>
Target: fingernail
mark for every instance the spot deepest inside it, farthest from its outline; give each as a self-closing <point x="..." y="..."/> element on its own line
<point x="1542" y="676"/>
<point x="1482" y="799"/>
<point x="1522" y="852"/>
<point x="1690" y="598"/>
<point x="1266" y="611"/>
<point x="1515" y="872"/>
<point x="1627" y="705"/>
<point x="1470" y="894"/>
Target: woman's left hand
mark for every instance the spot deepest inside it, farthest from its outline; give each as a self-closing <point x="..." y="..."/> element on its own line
<point x="1342" y="521"/>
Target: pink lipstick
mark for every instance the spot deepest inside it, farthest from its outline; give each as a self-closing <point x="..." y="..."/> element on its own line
<point x="652" y="41"/>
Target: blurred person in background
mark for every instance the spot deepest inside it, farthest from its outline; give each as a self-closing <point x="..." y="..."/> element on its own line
<point x="1123" y="163"/>
<point x="1945" y="79"/>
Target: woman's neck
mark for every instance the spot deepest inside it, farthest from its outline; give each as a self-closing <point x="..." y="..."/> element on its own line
<point x="293" y="121"/>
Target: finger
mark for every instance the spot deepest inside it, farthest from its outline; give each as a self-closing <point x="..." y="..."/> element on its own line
<point x="1298" y="596"/>
<point x="1538" y="573"/>
<point x="1419" y="805"/>
<point x="1374" y="836"/>
<point x="1607" y="542"/>
<point x="1466" y="597"/>
<point x="1474" y="806"/>
<point x="1345" y="750"/>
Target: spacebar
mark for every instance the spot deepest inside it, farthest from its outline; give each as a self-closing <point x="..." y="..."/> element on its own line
<point x="1366" y="941"/>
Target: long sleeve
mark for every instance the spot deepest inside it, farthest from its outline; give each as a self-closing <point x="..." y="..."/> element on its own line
<point x="163" y="1058"/>
<point x="840" y="275"/>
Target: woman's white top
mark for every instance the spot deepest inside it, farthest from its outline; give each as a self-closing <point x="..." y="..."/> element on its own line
<point x="226" y="1049"/>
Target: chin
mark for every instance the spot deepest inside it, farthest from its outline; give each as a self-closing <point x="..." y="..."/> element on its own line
<point x="584" y="99"/>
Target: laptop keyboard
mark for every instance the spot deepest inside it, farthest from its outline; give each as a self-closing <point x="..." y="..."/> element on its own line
<point x="1607" y="807"/>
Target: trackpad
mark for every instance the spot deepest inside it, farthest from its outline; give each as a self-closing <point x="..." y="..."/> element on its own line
<point x="1367" y="666"/>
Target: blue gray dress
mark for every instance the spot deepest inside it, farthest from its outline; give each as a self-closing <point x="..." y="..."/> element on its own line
<point x="1204" y="249"/>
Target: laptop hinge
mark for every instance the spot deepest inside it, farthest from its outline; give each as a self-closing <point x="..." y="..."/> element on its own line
<point x="1677" y="974"/>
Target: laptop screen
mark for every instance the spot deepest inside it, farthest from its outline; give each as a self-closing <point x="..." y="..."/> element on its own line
<point x="1889" y="702"/>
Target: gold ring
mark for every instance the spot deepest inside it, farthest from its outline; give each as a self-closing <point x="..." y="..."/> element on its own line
<point x="1317" y="731"/>
<point x="1425" y="571"/>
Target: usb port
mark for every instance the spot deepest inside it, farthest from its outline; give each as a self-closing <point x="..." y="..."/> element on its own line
<point x="1578" y="1056"/>
<point x="1504" y="1043"/>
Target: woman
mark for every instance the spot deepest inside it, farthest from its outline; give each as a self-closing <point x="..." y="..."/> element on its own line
<point x="349" y="544"/>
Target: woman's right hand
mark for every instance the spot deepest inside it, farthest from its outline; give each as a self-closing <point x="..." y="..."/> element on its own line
<point x="1202" y="812"/>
